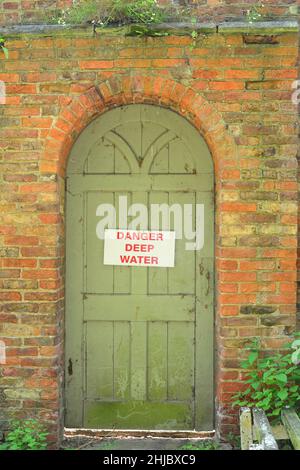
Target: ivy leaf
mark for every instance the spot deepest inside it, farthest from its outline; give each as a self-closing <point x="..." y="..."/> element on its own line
<point x="5" y="50"/>
<point x="256" y="385"/>
<point x="282" y="378"/>
<point x="283" y="394"/>
<point x="252" y="357"/>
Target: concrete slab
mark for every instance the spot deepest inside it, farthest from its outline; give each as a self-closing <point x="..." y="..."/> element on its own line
<point x="147" y="443"/>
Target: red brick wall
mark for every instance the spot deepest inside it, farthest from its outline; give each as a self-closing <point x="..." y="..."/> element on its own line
<point x="236" y="90"/>
<point x="33" y="11"/>
<point x="220" y="10"/>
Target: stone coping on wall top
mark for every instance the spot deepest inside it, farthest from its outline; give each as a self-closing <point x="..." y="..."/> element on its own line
<point x="263" y="27"/>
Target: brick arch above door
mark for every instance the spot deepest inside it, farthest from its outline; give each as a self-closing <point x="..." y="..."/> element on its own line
<point x="78" y="111"/>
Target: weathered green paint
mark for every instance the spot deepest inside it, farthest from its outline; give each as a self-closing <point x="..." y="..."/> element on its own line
<point x="139" y="341"/>
<point x="144" y="415"/>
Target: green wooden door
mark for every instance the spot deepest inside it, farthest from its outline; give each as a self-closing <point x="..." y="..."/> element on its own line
<point x="139" y="340"/>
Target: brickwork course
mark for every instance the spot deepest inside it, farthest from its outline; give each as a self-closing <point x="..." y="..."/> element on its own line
<point x="235" y="87"/>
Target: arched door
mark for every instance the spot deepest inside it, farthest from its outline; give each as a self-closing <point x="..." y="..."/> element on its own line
<point x="139" y="340"/>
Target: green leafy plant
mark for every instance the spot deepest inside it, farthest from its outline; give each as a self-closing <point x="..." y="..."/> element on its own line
<point x="255" y="13"/>
<point x="139" y="15"/>
<point x="205" y="445"/>
<point x="139" y="11"/>
<point x="28" y="434"/>
<point x="194" y="36"/>
<point x="234" y="440"/>
<point x="80" y="12"/>
<point x="273" y="382"/>
<point x="3" y="48"/>
<point x="119" y="12"/>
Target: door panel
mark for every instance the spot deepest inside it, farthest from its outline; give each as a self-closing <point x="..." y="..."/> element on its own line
<point x="139" y="349"/>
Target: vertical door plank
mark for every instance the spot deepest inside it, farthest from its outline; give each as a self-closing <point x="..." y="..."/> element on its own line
<point x="99" y="278"/>
<point x="182" y="276"/>
<point x="121" y="274"/>
<point x="122" y="361"/>
<point x="157" y="361"/>
<point x="139" y="275"/>
<point x="99" y="360"/>
<point x="74" y="308"/>
<point x="181" y="360"/>
<point x="158" y="277"/>
<point x="138" y="372"/>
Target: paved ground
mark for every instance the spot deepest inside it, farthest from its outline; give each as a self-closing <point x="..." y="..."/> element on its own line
<point x="86" y="443"/>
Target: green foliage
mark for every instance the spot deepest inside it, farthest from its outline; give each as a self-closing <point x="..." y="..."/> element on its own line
<point x="82" y="11"/>
<point x="119" y="12"/>
<point x="255" y="13"/>
<point x="3" y="48"/>
<point x="205" y="445"/>
<point x="273" y="382"/>
<point x="138" y="15"/>
<point x="194" y="36"/>
<point x="25" y="435"/>
<point x="139" y="11"/>
<point x="234" y="440"/>
<point x="144" y="30"/>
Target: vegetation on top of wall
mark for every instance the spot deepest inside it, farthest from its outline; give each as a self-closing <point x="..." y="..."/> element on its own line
<point x="138" y="14"/>
<point x="113" y="12"/>
<point x="256" y="13"/>
<point x="273" y="382"/>
<point x="124" y="12"/>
